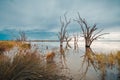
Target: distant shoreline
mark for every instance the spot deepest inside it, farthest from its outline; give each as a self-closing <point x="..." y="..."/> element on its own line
<point x="64" y="41"/>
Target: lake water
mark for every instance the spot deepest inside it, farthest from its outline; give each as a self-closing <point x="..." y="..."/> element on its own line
<point x="74" y="59"/>
<point x="97" y="46"/>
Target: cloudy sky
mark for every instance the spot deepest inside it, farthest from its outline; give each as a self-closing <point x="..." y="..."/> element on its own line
<point x="40" y="19"/>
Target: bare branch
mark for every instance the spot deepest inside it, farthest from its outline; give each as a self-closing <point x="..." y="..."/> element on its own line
<point x="96" y="33"/>
<point x="63" y="31"/>
<point x="88" y="32"/>
<point x="21" y="36"/>
<point x="98" y="36"/>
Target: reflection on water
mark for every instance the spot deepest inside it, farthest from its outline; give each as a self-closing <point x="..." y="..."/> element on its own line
<point x="85" y="63"/>
<point x="88" y="59"/>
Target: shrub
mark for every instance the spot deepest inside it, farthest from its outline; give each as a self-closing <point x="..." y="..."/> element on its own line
<point x="111" y="59"/>
<point x="28" y="66"/>
<point x="6" y="46"/>
<point x="118" y="58"/>
<point x="24" y="46"/>
<point x="4" y="65"/>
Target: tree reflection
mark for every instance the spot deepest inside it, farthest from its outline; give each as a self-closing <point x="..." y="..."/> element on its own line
<point x="63" y="62"/>
<point x="101" y="63"/>
<point x="118" y="62"/>
<point x="62" y="57"/>
<point x="88" y="60"/>
<point x="76" y="37"/>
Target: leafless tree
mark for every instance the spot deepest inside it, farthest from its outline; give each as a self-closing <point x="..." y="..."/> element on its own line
<point x="75" y="41"/>
<point x="68" y="39"/>
<point x="89" y="33"/>
<point x="22" y="36"/>
<point x="63" y="31"/>
<point x="88" y="61"/>
<point x="63" y="36"/>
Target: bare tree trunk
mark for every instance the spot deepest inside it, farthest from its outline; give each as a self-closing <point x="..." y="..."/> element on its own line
<point x="89" y="33"/>
<point x="75" y="42"/>
<point x="61" y="46"/>
<point x="63" y="32"/>
<point x="62" y="35"/>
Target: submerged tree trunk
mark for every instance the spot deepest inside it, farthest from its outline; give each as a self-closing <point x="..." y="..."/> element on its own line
<point x="89" y="33"/>
<point x="62" y="34"/>
<point x="61" y="46"/>
<point x="75" y="42"/>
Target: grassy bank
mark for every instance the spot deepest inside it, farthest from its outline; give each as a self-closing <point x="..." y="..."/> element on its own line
<point x="8" y="45"/>
<point x="28" y="66"/>
<point x="32" y="65"/>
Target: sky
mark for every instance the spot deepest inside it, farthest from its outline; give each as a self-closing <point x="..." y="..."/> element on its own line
<point x="40" y="19"/>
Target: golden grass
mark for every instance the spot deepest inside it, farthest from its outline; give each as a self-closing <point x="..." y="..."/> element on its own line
<point x="118" y="58"/>
<point x="23" y="66"/>
<point x="50" y="56"/>
<point x="24" y="46"/>
<point x="106" y="59"/>
<point x="8" y="45"/>
<point x="111" y="59"/>
<point x="28" y="66"/>
<point x="100" y="58"/>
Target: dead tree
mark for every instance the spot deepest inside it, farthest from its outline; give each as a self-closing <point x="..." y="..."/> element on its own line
<point x="89" y="33"/>
<point x="62" y="35"/>
<point x="63" y="31"/>
<point x="21" y="37"/>
<point x="88" y="61"/>
<point x="75" y="41"/>
<point x="68" y="39"/>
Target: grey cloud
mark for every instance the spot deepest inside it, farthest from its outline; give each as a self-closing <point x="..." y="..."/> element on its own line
<point x="44" y="14"/>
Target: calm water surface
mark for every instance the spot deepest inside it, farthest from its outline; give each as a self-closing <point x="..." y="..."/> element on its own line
<point x="74" y="59"/>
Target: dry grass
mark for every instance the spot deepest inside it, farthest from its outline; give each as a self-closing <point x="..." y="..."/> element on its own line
<point x="23" y="66"/>
<point x="24" y="46"/>
<point x="28" y="66"/>
<point x="109" y="59"/>
<point x="100" y="58"/>
<point x="50" y="56"/>
<point x="105" y="61"/>
<point x="8" y="45"/>
<point x="118" y="58"/>
<point x="101" y="62"/>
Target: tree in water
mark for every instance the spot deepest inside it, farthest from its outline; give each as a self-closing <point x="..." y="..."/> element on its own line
<point x="68" y="39"/>
<point x="76" y="37"/>
<point x="90" y="34"/>
<point x="63" y="32"/>
<point x="63" y="36"/>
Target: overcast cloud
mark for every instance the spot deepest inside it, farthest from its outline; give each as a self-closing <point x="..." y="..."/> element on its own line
<point x="43" y="15"/>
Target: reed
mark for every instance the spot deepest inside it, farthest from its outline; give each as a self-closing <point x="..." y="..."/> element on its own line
<point x="118" y="58"/>
<point x="28" y="66"/>
<point x="6" y="46"/>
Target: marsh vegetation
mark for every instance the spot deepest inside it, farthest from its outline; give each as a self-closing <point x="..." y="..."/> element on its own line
<point x="64" y="61"/>
<point x="55" y="65"/>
